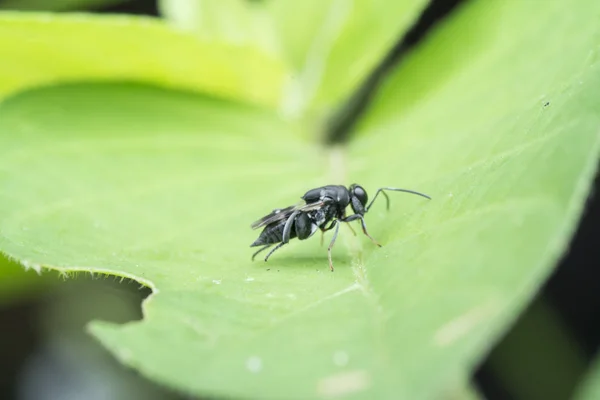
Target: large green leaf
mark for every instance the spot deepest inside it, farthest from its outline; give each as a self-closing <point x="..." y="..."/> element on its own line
<point x="329" y="45"/>
<point x="55" y="5"/>
<point x="334" y="44"/>
<point x="589" y="388"/>
<point x="161" y="186"/>
<point x="38" y="48"/>
<point x="230" y="21"/>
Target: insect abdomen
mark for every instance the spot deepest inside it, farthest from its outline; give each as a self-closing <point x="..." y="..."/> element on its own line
<point x="273" y="234"/>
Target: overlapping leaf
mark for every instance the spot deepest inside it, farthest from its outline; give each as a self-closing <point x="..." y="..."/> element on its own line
<point x="330" y="46"/>
<point x="54" y="5"/>
<point x="40" y="49"/>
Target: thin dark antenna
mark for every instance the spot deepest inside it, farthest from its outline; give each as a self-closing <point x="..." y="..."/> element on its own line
<point x="387" y="199"/>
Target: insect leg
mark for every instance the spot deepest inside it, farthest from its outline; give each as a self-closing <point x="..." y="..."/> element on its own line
<point x="274" y="248"/>
<point x="363" y="224"/>
<point x="260" y="250"/>
<point x="337" y="228"/>
<point x="288" y="227"/>
<point x="323" y="230"/>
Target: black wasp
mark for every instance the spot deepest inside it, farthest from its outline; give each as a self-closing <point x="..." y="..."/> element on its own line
<point x="321" y="208"/>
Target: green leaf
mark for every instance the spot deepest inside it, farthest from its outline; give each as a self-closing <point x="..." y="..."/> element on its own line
<point x="589" y="388"/>
<point x="334" y="44"/>
<point x="465" y="392"/>
<point x="161" y="186"/>
<point x="230" y="21"/>
<point x="329" y="45"/>
<point x="46" y="48"/>
<point x="55" y="5"/>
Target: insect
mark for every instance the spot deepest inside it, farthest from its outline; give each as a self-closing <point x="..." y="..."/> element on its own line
<point x="321" y="208"/>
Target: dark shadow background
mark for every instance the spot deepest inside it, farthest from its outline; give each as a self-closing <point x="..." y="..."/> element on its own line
<point x="46" y="353"/>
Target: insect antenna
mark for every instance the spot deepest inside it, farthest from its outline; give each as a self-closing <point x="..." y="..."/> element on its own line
<point x="387" y="198"/>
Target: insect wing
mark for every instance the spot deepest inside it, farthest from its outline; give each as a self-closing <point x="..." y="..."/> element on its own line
<point x="275" y="215"/>
<point x="284" y="213"/>
<point x="312" y="206"/>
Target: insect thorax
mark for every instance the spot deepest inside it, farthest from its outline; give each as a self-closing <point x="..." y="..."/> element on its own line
<point x="323" y="215"/>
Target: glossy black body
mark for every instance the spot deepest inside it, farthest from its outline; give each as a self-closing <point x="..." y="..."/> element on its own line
<point x="334" y="201"/>
<point x="321" y="209"/>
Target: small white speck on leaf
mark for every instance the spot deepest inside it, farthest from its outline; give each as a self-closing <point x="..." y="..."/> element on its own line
<point x="344" y="383"/>
<point x="254" y="364"/>
<point x="450" y="195"/>
<point x="217" y="281"/>
<point x="249" y="279"/>
<point x="341" y="358"/>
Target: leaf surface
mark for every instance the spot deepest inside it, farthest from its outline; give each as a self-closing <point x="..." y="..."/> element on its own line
<point x="589" y="387"/>
<point x="161" y="186"/>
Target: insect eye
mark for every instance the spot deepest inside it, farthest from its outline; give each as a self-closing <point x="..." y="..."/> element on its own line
<point x="360" y="194"/>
